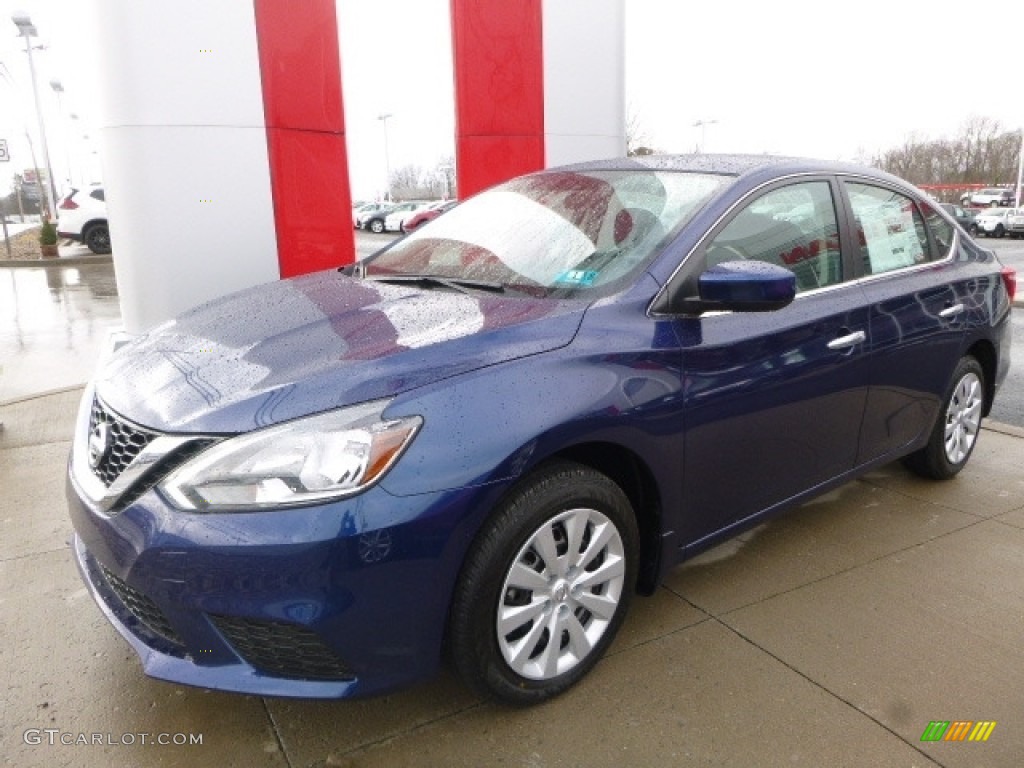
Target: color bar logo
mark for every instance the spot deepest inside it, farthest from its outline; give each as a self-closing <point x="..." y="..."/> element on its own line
<point x="958" y="730"/>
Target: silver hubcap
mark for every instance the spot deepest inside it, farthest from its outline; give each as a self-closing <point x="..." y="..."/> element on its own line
<point x="560" y="593"/>
<point x="963" y="418"/>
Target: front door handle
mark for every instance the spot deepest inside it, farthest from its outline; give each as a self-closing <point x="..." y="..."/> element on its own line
<point x="953" y="311"/>
<point x="850" y="340"/>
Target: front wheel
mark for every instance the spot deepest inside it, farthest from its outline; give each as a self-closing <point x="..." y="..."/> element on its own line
<point x="376" y="226"/>
<point x="956" y="431"/>
<point x="546" y="585"/>
<point x="1000" y="231"/>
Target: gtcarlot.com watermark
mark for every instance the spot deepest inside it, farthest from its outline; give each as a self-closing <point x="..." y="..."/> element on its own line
<point x="54" y="736"/>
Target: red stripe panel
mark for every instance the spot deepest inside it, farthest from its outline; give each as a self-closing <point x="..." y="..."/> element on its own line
<point x="300" y="70"/>
<point x="499" y="90"/>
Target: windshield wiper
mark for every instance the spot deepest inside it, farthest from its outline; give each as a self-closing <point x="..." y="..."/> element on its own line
<point x="461" y="284"/>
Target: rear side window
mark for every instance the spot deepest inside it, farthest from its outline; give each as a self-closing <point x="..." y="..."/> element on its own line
<point x="794" y="227"/>
<point x="942" y="230"/>
<point x="97" y="193"/>
<point x="890" y="229"/>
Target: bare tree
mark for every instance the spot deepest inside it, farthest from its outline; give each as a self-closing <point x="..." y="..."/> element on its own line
<point x="981" y="153"/>
<point x="637" y="139"/>
<point x="413" y="182"/>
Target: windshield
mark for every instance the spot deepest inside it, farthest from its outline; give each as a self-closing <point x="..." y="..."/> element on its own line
<point x="556" y="234"/>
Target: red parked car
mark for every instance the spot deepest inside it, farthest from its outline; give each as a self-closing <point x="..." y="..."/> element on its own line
<point x="428" y="214"/>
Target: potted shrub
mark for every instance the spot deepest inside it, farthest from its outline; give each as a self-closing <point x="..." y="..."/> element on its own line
<point x="48" y="240"/>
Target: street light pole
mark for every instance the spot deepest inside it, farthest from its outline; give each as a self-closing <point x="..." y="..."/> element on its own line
<point x="387" y="158"/>
<point x="1020" y="169"/>
<point x="703" y="124"/>
<point x="27" y="30"/>
<point x="58" y="88"/>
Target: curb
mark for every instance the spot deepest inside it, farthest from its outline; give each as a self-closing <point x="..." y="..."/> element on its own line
<point x="63" y="261"/>
<point x="39" y="395"/>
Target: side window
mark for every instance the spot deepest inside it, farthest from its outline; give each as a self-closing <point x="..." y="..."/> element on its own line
<point x="890" y="229"/>
<point x="97" y="193"/>
<point x="794" y="227"/>
<point x="942" y="230"/>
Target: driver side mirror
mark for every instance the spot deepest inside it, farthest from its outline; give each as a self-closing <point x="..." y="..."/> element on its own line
<point x="734" y="286"/>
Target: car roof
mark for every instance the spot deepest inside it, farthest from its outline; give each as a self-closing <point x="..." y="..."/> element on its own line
<point x="732" y="165"/>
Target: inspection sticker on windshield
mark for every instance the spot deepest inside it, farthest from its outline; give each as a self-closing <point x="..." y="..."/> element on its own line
<point x="577" y="277"/>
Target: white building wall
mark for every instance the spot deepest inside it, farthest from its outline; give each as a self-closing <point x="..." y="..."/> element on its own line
<point x="185" y="154"/>
<point x="584" y="80"/>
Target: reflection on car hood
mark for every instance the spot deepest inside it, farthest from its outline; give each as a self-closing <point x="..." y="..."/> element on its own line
<point x="295" y="347"/>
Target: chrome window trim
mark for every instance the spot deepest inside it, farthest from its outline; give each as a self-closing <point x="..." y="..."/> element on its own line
<point x="841" y="175"/>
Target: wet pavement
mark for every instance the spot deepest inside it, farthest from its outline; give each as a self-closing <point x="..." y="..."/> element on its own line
<point x="54" y="323"/>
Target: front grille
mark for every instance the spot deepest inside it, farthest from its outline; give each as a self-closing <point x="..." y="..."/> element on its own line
<point x="282" y="649"/>
<point x="124" y="442"/>
<point x="141" y="607"/>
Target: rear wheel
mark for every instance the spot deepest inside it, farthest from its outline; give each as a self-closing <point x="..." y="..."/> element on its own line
<point x="97" y="238"/>
<point x="956" y="430"/>
<point x="545" y="586"/>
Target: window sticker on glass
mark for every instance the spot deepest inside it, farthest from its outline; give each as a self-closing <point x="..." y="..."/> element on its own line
<point x="889" y="227"/>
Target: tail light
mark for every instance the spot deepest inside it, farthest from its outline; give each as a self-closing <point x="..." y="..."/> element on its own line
<point x="67" y="204"/>
<point x="1009" y="275"/>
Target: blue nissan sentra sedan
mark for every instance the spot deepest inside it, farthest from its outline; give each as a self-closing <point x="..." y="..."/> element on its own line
<point x="488" y="436"/>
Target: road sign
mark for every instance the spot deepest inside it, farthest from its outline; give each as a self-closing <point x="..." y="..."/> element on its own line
<point x="5" y="156"/>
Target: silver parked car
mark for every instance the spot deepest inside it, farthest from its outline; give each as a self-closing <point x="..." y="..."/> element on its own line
<point x="1015" y="222"/>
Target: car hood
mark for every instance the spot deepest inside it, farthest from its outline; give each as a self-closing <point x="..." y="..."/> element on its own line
<point x="300" y="346"/>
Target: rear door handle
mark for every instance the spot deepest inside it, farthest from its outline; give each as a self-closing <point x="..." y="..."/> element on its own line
<point x="850" y="340"/>
<point x="953" y="311"/>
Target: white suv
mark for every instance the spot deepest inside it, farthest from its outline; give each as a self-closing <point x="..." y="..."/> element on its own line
<point x="993" y="196"/>
<point x="82" y="216"/>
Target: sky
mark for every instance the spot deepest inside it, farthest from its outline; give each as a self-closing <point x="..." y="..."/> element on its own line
<point x="828" y="80"/>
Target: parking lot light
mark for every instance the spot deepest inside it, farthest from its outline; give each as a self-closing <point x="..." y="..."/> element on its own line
<point x="28" y="30"/>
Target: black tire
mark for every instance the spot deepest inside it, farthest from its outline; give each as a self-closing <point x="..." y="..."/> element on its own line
<point x="554" y="506"/>
<point x="973" y="230"/>
<point x="376" y="226"/>
<point x="1000" y="231"/>
<point x="960" y="416"/>
<point x="994" y="204"/>
<point x="97" y="238"/>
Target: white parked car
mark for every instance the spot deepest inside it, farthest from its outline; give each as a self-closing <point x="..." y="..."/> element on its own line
<point x="82" y="216"/>
<point x="992" y="223"/>
<point x="395" y="220"/>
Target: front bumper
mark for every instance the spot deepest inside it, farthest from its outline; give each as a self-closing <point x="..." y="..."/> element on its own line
<point x="333" y="601"/>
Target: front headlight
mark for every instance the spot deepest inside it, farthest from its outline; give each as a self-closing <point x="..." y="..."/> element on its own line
<point x="318" y="458"/>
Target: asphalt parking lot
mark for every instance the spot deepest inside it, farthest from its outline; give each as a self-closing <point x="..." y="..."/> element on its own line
<point x="833" y="635"/>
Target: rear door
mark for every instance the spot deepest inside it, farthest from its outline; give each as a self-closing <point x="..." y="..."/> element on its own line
<point x="919" y="303"/>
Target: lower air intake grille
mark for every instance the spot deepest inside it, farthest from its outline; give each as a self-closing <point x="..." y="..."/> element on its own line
<point x="281" y="649"/>
<point x="141" y="607"/>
